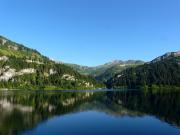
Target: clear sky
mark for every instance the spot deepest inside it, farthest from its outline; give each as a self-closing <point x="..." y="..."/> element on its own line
<point x="92" y="32"/>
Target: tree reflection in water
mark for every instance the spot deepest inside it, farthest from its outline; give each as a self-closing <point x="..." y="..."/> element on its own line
<point x="21" y="111"/>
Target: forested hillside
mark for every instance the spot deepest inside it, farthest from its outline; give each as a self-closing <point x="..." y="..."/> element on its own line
<point x="163" y="71"/>
<point x="25" y="68"/>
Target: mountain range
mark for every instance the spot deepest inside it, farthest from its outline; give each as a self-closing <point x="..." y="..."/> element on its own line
<point x="107" y="70"/>
<point x="25" y="68"/>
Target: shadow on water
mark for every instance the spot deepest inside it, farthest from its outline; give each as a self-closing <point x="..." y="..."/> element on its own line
<point x="20" y="111"/>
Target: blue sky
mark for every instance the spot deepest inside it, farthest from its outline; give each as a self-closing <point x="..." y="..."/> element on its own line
<point x="93" y="32"/>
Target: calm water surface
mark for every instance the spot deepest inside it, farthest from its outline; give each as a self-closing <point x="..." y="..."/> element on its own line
<point x="87" y="113"/>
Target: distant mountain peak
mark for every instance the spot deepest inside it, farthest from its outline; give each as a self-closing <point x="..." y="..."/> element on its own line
<point x="114" y="62"/>
<point x="127" y="62"/>
<point x="168" y="55"/>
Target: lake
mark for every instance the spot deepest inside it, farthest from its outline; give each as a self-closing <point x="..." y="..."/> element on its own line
<point x="85" y="113"/>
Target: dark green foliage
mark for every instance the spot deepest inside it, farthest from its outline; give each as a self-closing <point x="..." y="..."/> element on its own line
<point x="162" y="73"/>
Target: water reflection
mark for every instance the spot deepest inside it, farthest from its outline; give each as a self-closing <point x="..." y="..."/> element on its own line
<point x="22" y="111"/>
<point x="165" y="106"/>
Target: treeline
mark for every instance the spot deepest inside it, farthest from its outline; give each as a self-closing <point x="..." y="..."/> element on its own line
<point x="163" y="73"/>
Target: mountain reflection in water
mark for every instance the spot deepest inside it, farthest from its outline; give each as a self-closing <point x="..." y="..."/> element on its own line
<point x="20" y="111"/>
